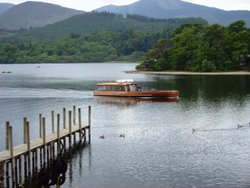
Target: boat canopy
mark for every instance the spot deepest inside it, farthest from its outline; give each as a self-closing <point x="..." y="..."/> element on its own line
<point x="125" y="81"/>
<point x="113" y="84"/>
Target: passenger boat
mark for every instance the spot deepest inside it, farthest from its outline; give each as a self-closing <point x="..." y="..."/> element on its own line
<point x="128" y="88"/>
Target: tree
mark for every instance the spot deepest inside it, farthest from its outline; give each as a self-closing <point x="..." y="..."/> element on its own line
<point x="239" y="48"/>
<point x="184" y="44"/>
<point x="153" y="56"/>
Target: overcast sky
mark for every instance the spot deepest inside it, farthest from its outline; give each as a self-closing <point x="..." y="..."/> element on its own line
<point x="88" y="5"/>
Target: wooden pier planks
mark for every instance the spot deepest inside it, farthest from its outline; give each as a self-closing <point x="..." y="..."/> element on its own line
<point x="37" y="143"/>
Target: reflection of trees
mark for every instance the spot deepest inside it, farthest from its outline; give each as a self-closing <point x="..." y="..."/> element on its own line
<point x="207" y="87"/>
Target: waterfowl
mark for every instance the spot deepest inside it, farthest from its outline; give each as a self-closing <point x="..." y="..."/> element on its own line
<point x="102" y="137"/>
<point x="239" y="126"/>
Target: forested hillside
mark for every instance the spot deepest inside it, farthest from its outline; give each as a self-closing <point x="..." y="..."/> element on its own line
<point x="91" y="37"/>
<point x="196" y="47"/>
<point x="100" y="22"/>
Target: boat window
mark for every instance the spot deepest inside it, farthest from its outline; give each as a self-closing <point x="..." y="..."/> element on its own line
<point x="101" y="88"/>
<point x="133" y="88"/>
<point x="112" y="88"/>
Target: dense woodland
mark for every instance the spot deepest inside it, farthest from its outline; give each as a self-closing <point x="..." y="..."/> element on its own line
<point x="98" y="47"/>
<point x="90" y="37"/>
<point x="205" y="48"/>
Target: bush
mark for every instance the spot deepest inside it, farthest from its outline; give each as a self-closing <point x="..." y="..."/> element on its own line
<point x="207" y="66"/>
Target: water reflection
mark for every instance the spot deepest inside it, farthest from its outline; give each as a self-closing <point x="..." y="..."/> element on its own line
<point x="207" y="87"/>
<point x="54" y="174"/>
<point x="131" y="101"/>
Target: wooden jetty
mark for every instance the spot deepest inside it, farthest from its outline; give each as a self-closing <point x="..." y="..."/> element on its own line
<point x="28" y="157"/>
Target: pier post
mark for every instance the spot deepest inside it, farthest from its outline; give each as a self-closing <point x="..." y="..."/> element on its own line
<point x="44" y="131"/>
<point x="70" y="122"/>
<point x="74" y="115"/>
<point x="64" y="118"/>
<point x="40" y="125"/>
<point x="27" y="138"/>
<point x="89" y="121"/>
<point x="52" y="122"/>
<point x="58" y="133"/>
<point x="7" y="147"/>
<point x="74" y="122"/>
<point x="7" y="174"/>
<point x="70" y="127"/>
<point x="11" y="153"/>
<point x="36" y="161"/>
<point x="10" y="141"/>
<point x="24" y="130"/>
<point x="20" y="168"/>
<point x="16" y="177"/>
<point x="79" y="118"/>
<point x="44" y="140"/>
<point x="2" y="174"/>
<point x="79" y="124"/>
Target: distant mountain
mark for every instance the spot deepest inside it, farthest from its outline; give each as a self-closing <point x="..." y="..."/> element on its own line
<point x="5" y="6"/>
<point x="101" y="22"/>
<point x="34" y="14"/>
<point x="178" y="9"/>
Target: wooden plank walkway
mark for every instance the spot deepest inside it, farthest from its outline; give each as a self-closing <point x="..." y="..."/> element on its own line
<point x="22" y="148"/>
<point x="24" y="158"/>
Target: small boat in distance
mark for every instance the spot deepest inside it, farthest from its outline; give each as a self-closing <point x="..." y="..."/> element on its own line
<point x="128" y="88"/>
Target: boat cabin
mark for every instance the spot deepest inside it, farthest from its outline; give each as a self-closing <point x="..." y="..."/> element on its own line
<point x="125" y="85"/>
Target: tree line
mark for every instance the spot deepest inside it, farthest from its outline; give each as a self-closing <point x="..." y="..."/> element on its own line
<point x="204" y="48"/>
<point x="96" y="47"/>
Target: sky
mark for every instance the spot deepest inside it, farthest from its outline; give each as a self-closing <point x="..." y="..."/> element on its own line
<point x="89" y="5"/>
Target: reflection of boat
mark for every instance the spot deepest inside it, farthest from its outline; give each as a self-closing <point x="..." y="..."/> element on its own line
<point x="6" y="72"/>
<point x="128" y="88"/>
<point x="130" y="101"/>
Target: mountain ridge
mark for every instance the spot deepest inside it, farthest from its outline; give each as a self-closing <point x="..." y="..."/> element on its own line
<point x="34" y="14"/>
<point x="5" y="6"/>
<point x="176" y="8"/>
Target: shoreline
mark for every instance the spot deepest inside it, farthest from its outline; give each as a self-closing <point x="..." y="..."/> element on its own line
<point x="186" y="73"/>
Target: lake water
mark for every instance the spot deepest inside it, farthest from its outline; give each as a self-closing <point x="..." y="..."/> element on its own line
<point x="159" y="149"/>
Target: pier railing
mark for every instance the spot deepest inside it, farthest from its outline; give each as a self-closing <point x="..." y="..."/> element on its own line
<point x="24" y="159"/>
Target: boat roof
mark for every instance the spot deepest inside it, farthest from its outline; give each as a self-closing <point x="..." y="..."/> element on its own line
<point x="123" y="82"/>
<point x="115" y="84"/>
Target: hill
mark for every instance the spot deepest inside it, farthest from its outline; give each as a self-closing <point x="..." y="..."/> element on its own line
<point x="34" y="14"/>
<point x="5" y="6"/>
<point x="100" y="22"/>
<point x="178" y="9"/>
<point x="89" y="37"/>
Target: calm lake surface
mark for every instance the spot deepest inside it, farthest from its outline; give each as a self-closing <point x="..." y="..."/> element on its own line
<point x="159" y="149"/>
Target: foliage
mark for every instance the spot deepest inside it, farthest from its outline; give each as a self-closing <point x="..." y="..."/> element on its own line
<point x="97" y="47"/>
<point x="93" y="22"/>
<point x="195" y="47"/>
<point x="90" y="37"/>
